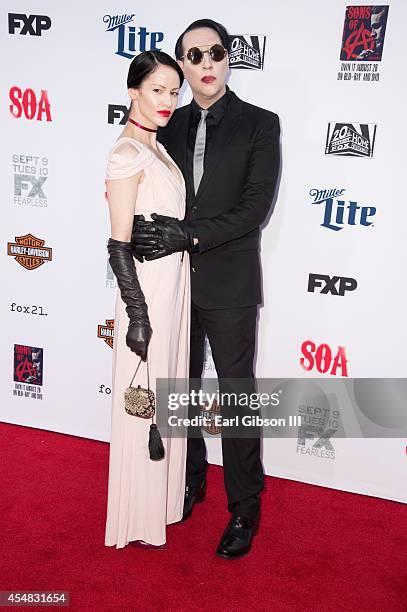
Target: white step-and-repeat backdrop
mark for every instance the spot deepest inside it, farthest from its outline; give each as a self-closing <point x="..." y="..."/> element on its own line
<point x="333" y="253"/>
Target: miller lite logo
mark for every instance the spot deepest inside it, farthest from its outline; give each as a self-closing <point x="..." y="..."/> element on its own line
<point x="29" y="251"/>
<point x="131" y="39"/>
<point x="106" y="332"/>
<point x="339" y="212"/>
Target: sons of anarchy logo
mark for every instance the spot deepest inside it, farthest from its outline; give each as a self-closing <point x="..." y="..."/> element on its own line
<point x="350" y="139"/>
<point x="324" y="359"/>
<point x="30" y="174"/>
<point x="31" y="105"/>
<point x="28" y="371"/>
<point x="106" y="332"/>
<point x="29" y="251"/>
<point x="246" y="51"/>
<point x="131" y="39"/>
<point x="318" y="426"/>
<point x="362" y="42"/>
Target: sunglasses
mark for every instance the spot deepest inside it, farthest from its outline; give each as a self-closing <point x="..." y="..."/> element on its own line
<point x="195" y="54"/>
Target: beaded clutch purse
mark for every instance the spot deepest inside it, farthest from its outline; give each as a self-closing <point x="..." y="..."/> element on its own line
<point x="138" y="401"/>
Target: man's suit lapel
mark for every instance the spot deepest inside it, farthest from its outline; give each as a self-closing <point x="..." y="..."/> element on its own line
<point x="222" y="136"/>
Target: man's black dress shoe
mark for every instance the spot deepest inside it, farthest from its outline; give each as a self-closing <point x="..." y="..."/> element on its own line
<point x="237" y="537"/>
<point x="193" y="495"/>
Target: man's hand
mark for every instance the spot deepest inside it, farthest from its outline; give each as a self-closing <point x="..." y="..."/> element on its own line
<point x="164" y="236"/>
<point x="143" y="237"/>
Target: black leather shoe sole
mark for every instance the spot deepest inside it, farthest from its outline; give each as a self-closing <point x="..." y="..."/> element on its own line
<point x="199" y="498"/>
<point x="231" y="557"/>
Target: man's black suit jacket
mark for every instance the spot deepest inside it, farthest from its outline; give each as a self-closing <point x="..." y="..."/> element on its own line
<point x="233" y="200"/>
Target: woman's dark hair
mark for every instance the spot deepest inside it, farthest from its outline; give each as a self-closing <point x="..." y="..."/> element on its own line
<point x="145" y="63"/>
<point x="203" y="23"/>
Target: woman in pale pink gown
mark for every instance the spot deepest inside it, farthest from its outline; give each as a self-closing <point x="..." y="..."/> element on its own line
<point x="152" y="309"/>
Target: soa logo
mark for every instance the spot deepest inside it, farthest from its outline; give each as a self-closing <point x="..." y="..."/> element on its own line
<point x="321" y="357"/>
<point x="28" y="103"/>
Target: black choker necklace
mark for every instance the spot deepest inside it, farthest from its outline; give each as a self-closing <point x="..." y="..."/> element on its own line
<point x="140" y="126"/>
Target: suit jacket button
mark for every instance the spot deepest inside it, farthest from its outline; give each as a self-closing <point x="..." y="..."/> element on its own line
<point x="194" y="208"/>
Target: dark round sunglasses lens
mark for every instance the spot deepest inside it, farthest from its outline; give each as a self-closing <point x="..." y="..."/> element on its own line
<point x="194" y="55"/>
<point x="217" y="53"/>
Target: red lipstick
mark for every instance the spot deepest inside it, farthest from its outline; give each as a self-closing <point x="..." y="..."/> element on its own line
<point x="164" y="113"/>
<point x="208" y="79"/>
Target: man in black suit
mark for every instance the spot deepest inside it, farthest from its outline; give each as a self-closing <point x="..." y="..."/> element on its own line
<point x="228" y="151"/>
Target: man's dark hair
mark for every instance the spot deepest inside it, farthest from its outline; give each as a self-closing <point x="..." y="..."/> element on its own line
<point x="379" y="9"/>
<point x="203" y="23"/>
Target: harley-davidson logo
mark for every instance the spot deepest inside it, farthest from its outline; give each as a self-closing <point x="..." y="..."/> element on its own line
<point x="211" y="418"/>
<point x="106" y="332"/>
<point x="29" y="251"/>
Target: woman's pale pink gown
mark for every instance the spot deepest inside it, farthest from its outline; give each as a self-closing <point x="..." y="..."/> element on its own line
<point x="144" y="495"/>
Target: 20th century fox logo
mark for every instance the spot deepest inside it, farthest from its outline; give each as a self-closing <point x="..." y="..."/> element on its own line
<point x="350" y="139"/>
<point x="247" y="51"/>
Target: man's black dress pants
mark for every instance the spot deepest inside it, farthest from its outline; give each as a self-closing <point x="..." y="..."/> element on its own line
<point x="232" y="337"/>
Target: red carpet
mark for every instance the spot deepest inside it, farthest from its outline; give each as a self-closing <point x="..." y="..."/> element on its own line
<point x="317" y="549"/>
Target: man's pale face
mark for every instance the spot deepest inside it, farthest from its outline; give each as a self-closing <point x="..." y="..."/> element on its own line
<point x="206" y="79"/>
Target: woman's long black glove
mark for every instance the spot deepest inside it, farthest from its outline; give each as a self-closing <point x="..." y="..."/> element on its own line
<point x="122" y="263"/>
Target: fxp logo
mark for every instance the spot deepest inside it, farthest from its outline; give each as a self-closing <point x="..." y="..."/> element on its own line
<point x="33" y="25"/>
<point x="335" y="285"/>
<point x="131" y="39"/>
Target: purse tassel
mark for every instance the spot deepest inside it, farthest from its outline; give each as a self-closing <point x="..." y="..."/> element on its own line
<point x="155" y="444"/>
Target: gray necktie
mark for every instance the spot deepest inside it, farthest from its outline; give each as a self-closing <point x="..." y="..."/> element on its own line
<point x="199" y="150"/>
